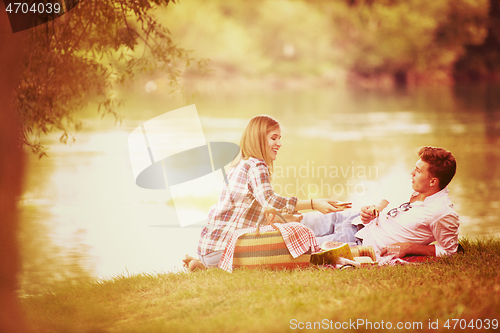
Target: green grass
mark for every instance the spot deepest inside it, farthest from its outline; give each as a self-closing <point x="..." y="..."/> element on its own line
<point x="465" y="286"/>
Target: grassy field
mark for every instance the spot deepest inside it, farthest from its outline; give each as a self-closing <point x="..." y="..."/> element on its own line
<point x="459" y="292"/>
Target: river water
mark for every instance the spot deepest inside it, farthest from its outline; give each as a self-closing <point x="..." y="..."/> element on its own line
<point x="83" y="215"/>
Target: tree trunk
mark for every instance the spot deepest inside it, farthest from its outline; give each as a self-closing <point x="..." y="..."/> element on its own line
<point x="11" y="172"/>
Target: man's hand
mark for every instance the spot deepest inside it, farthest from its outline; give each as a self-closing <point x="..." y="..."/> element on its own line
<point x="412" y="249"/>
<point x="368" y="213"/>
<point x="403" y="250"/>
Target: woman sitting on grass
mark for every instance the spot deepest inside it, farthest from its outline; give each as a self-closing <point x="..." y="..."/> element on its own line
<point x="249" y="191"/>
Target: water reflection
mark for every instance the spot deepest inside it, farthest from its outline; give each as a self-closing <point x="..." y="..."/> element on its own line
<point x="49" y="255"/>
<point x="83" y="215"/>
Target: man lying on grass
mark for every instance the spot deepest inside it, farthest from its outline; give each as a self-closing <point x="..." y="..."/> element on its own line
<point x="427" y="217"/>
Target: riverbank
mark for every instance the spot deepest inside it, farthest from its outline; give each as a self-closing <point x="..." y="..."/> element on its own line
<point x="460" y="290"/>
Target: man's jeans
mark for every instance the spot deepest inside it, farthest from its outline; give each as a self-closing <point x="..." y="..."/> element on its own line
<point x="336" y="227"/>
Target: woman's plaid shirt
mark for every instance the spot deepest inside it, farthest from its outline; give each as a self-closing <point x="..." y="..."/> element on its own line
<point x="241" y="204"/>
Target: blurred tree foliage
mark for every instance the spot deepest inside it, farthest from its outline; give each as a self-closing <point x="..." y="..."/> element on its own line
<point x="420" y="38"/>
<point x="84" y="54"/>
<point x="482" y="61"/>
<point x="100" y="44"/>
<point x="417" y="40"/>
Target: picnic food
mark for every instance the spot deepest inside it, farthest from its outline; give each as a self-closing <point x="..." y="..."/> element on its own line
<point x="328" y="245"/>
<point x="340" y="253"/>
<point x="331" y="252"/>
<point x="343" y="205"/>
<point x="363" y="251"/>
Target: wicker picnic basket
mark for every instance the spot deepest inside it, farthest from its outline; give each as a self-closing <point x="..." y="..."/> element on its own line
<point x="267" y="249"/>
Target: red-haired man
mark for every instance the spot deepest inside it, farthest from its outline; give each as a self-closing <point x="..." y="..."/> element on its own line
<point x="426" y="224"/>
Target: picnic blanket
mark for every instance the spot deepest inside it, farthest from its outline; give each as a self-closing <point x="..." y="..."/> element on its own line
<point x="390" y="263"/>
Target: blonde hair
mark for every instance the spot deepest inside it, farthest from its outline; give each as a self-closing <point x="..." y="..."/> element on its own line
<point x="253" y="142"/>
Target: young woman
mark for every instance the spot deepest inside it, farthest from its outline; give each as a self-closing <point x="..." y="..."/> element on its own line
<point x="242" y="201"/>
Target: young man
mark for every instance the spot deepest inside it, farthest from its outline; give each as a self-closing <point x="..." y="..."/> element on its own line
<point x="426" y="218"/>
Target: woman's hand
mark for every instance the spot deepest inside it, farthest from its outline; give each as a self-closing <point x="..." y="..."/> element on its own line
<point x="292" y="217"/>
<point x="326" y="206"/>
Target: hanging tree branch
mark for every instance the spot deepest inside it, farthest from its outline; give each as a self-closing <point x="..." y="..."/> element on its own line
<point x="84" y="53"/>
